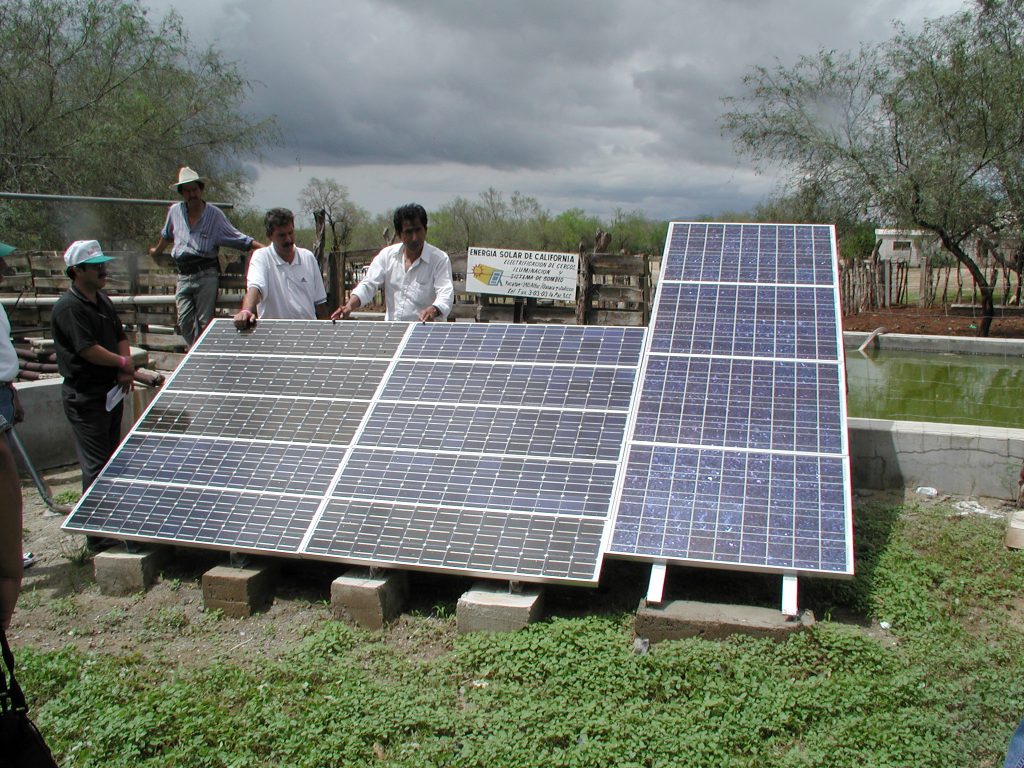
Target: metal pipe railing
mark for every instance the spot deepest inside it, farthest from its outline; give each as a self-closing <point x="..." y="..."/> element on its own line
<point x="86" y="199"/>
<point x="148" y="299"/>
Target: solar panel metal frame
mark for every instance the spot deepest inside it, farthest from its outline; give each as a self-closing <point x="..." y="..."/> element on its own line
<point x="703" y="538"/>
<point x="559" y="540"/>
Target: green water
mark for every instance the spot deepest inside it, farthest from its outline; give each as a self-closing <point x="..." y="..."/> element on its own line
<point x="955" y="389"/>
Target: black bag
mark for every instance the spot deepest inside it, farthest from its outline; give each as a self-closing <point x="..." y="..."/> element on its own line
<point x="21" y="744"/>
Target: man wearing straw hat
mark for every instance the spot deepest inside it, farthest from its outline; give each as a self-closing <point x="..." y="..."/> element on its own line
<point x="196" y="231"/>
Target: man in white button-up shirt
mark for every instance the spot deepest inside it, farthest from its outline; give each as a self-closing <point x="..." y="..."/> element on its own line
<point x="416" y="276"/>
<point x="283" y="281"/>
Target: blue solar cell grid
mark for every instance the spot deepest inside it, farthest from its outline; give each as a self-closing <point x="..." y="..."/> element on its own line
<point x="523" y="344"/>
<point x="512" y="385"/>
<point x="794" y="254"/>
<point x="779" y="511"/>
<point x="746" y="320"/>
<point x="760" y="404"/>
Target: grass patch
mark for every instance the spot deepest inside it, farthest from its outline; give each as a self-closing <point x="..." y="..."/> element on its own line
<point x="947" y="691"/>
<point x="67" y="497"/>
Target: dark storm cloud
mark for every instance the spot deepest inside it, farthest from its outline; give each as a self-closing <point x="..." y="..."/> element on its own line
<point x="618" y="103"/>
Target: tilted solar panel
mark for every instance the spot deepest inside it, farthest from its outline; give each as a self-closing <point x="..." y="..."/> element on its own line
<point x="487" y="449"/>
<point x="737" y="454"/>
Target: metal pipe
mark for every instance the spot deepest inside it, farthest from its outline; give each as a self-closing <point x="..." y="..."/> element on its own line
<point x="85" y="199"/>
<point x="149" y="299"/>
<point x="44" y="491"/>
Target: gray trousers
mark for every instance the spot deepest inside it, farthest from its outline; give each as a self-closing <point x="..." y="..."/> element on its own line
<point x="97" y="431"/>
<point x="196" y="300"/>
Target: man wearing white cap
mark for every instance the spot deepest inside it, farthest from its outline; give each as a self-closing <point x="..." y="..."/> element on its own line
<point x="196" y="231"/>
<point x="93" y="356"/>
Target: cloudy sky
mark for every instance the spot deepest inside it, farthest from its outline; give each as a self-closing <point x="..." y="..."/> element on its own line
<point x="596" y="104"/>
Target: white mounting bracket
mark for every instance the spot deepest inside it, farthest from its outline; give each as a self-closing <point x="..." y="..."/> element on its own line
<point x="656" y="586"/>
<point x="789" y="590"/>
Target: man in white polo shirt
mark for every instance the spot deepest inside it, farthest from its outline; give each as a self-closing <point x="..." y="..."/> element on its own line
<point x="283" y="281"/>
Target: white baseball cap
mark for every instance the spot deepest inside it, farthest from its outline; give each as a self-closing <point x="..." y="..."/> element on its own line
<point x="84" y="252"/>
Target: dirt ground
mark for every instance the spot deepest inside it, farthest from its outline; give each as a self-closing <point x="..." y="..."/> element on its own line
<point x="931" y="322"/>
<point x="61" y="603"/>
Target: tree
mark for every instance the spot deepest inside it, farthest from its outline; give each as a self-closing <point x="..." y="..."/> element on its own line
<point x="458" y="224"/>
<point x="926" y="130"/>
<point x="342" y="215"/>
<point x="95" y="99"/>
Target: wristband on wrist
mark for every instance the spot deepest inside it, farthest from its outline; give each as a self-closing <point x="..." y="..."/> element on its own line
<point x="123" y="360"/>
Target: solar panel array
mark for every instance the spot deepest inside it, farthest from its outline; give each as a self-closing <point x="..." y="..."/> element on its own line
<point x="488" y="449"/>
<point x="737" y="453"/>
<point x="716" y="437"/>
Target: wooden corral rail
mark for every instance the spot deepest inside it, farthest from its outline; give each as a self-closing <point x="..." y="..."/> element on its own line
<point x="153" y="326"/>
<point x="614" y="289"/>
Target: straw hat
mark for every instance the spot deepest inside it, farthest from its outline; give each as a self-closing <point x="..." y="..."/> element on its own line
<point x="186" y="176"/>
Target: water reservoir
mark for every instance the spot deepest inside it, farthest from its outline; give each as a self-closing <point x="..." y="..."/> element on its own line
<point x="986" y="390"/>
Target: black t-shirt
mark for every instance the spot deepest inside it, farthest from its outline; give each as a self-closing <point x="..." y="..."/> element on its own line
<point x="78" y="324"/>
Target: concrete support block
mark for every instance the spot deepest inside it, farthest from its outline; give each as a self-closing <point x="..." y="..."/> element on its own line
<point x="491" y="607"/>
<point x="370" y="599"/>
<point x="1015" y="530"/>
<point x="119" y="572"/>
<point x="238" y="592"/>
<point x="713" y="621"/>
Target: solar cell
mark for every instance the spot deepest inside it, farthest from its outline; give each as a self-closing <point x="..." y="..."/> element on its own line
<point x="240" y="465"/>
<point x="304" y="339"/>
<point x="206" y="517"/>
<point x="482" y="542"/>
<point x="514" y="432"/>
<point x="513" y="385"/>
<point x="746" y="320"/>
<point x="763" y="404"/>
<point x="576" y="345"/>
<point x="553" y="487"/>
<point x="265" y="375"/>
<point x="250" y="418"/>
<point x="750" y="253"/>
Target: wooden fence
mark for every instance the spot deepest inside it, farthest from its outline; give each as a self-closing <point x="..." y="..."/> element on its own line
<point x="613" y="289"/>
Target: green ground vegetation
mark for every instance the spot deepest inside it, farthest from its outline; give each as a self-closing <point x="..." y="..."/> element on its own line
<point x="943" y="686"/>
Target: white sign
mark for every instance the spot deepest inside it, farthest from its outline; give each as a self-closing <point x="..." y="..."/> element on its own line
<point x="534" y="274"/>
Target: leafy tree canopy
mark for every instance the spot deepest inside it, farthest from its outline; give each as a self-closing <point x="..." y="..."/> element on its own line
<point x="98" y="99"/>
<point x="923" y="131"/>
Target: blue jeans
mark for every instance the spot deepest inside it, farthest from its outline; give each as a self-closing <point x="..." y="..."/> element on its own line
<point x="1015" y="753"/>
<point x="196" y="300"/>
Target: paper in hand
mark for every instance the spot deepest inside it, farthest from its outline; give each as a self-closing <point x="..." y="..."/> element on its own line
<point x="114" y="396"/>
